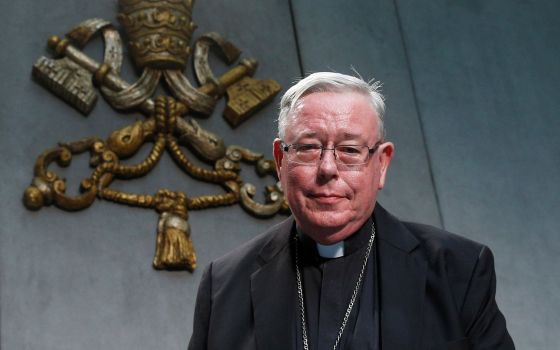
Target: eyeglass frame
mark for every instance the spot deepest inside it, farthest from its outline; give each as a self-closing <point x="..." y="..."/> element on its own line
<point x="371" y="151"/>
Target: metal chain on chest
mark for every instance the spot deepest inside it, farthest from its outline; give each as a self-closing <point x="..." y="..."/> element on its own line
<point x="352" y="299"/>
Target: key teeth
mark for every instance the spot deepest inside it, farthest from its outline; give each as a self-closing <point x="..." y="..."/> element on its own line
<point x="67" y="80"/>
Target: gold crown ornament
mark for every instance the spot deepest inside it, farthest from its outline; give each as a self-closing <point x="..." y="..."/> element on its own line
<point x="159" y="31"/>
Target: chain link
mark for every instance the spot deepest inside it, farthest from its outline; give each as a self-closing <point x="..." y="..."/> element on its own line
<point x="301" y="301"/>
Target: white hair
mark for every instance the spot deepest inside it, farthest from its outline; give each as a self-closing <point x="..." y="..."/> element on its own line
<point x="330" y="82"/>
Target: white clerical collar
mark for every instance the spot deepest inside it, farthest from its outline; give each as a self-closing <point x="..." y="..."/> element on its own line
<point x="331" y="251"/>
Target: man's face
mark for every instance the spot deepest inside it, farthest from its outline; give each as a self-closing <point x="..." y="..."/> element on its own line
<point x="331" y="201"/>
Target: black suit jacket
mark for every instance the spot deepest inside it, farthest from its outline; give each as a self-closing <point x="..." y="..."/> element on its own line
<point x="436" y="291"/>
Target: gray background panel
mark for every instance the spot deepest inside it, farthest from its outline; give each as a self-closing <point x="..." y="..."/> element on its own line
<point x="472" y="98"/>
<point x="486" y="76"/>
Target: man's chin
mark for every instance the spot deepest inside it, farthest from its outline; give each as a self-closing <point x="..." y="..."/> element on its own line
<point x="328" y="221"/>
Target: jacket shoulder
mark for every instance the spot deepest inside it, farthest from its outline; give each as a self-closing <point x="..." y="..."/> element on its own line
<point x="453" y="256"/>
<point x="244" y="259"/>
<point x="438" y="243"/>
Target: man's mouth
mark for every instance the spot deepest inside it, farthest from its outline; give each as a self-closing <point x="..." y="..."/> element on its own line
<point x="326" y="198"/>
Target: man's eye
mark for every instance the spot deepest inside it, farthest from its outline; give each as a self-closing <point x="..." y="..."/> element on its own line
<point x="348" y="149"/>
<point x="307" y="148"/>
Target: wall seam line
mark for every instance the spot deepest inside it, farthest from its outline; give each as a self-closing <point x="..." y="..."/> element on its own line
<point x="296" y="38"/>
<point x="418" y="112"/>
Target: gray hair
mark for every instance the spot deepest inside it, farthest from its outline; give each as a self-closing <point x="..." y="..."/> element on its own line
<point x="330" y="82"/>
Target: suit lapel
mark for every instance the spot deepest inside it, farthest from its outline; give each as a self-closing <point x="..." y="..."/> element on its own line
<point x="273" y="293"/>
<point x="402" y="280"/>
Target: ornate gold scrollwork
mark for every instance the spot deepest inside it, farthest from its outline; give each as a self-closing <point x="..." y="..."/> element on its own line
<point x="159" y="34"/>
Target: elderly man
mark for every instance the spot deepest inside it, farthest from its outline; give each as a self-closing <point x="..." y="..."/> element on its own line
<point x="343" y="273"/>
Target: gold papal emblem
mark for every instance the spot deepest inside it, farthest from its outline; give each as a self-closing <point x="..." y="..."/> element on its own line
<point x="159" y="34"/>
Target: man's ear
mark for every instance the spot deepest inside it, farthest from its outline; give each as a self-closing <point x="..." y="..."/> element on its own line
<point x="278" y="155"/>
<point x="386" y="151"/>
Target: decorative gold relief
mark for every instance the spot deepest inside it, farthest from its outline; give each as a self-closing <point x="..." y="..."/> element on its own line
<point x="159" y="34"/>
<point x="245" y="97"/>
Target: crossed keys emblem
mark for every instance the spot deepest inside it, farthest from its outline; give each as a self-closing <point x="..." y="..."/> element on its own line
<point x="159" y="34"/>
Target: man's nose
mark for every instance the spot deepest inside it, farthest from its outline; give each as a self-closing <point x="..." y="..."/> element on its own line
<point x="327" y="165"/>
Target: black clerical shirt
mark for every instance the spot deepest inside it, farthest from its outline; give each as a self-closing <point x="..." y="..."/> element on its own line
<point x="328" y="285"/>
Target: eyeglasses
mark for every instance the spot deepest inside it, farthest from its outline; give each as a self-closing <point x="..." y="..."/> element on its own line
<point x="312" y="153"/>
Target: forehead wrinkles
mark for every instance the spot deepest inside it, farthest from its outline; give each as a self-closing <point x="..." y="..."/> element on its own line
<point x="318" y="118"/>
<point x="320" y="124"/>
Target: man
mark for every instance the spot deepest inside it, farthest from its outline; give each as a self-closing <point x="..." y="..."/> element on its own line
<point x="343" y="273"/>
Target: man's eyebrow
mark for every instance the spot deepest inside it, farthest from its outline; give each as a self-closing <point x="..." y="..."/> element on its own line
<point x="353" y="136"/>
<point x="306" y="133"/>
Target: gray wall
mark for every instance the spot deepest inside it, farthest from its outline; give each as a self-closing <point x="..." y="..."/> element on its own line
<point x="471" y="89"/>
